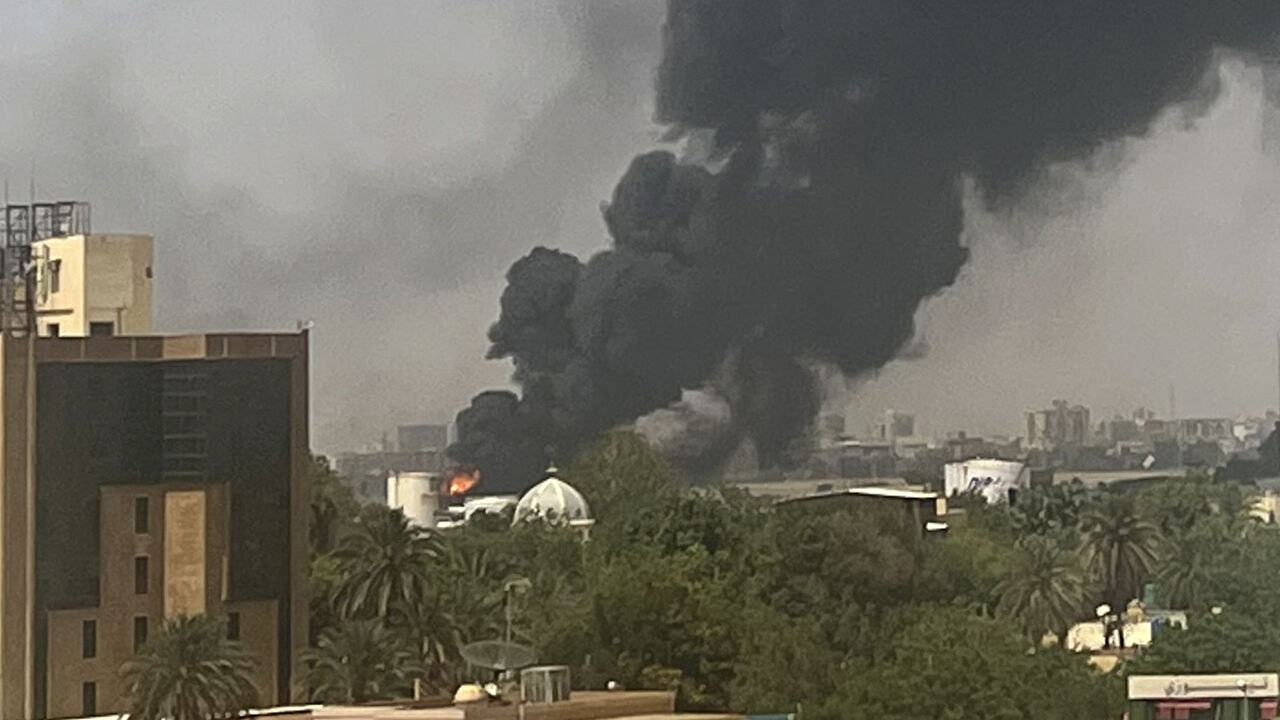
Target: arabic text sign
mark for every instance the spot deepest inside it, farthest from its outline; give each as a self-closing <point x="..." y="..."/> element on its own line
<point x="1203" y="687"/>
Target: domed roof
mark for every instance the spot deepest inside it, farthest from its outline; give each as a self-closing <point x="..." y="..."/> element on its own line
<point x="552" y="500"/>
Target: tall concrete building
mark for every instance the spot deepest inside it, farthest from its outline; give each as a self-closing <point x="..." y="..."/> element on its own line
<point x="421" y="438"/>
<point x="144" y="478"/>
<point x="1061" y="426"/>
<point x="93" y="285"/>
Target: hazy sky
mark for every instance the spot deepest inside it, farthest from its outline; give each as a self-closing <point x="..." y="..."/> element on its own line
<point x="376" y="167"/>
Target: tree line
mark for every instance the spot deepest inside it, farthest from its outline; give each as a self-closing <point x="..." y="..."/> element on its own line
<point x="736" y="603"/>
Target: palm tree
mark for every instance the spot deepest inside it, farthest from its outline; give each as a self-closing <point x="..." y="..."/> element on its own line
<point x="1187" y="564"/>
<point x="1044" y="589"/>
<point x="189" y="671"/>
<point x="359" y="661"/>
<point x="385" y="563"/>
<point x="1121" y="547"/>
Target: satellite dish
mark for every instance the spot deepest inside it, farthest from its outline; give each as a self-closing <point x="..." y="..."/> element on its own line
<point x="498" y="655"/>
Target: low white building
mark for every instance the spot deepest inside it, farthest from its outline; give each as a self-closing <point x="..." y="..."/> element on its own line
<point x="996" y="480"/>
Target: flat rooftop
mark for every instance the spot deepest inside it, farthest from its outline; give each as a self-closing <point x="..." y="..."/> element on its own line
<point x="142" y="348"/>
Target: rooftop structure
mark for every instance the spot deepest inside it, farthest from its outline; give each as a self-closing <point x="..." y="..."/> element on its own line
<point x="553" y="500"/>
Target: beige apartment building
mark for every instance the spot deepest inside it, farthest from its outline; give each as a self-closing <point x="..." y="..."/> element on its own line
<point x="93" y="285"/>
<point x="142" y="478"/>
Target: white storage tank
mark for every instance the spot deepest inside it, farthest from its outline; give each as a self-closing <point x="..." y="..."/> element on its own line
<point x="417" y="495"/>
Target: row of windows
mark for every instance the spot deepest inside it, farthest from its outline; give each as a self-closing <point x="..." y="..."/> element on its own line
<point x="96" y="329"/>
<point x="141" y="630"/>
<point x="89" y="636"/>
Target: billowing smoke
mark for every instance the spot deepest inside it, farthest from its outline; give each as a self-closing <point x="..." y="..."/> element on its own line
<point x="815" y="199"/>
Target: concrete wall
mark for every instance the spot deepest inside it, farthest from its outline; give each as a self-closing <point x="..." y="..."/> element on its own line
<point x="100" y="278"/>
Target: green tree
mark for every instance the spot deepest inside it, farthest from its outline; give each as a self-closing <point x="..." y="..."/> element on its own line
<point x="385" y="564"/>
<point x="620" y="471"/>
<point x="949" y="664"/>
<point x="666" y="622"/>
<point x="189" y="671"/>
<point x="964" y="567"/>
<point x="359" y="661"/>
<point x="1179" y="505"/>
<point x="1053" y="510"/>
<point x="1121" y="547"/>
<point x="781" y="663"/>
<point x="1044" y="589"/>
<point x="1231" y="642"/>
<point x="334" y="507"/>
<point x="1190" y="560"/>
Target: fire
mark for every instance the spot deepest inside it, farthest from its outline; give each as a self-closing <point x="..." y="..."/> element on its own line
<point x="461" y="482"/>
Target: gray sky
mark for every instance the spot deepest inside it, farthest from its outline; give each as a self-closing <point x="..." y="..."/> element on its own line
<point x="376" y="167"/>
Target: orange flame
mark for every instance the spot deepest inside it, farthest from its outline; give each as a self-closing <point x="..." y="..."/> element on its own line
<point x="462" y="482"/>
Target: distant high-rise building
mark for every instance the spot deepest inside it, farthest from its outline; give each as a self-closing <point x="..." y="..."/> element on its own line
<point x="1060" y="426"/>
<point x="415" y="438"/>
<point x="897" y="425"/>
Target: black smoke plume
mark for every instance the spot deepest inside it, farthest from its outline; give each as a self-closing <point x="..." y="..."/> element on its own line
<point x="817" y="199"/>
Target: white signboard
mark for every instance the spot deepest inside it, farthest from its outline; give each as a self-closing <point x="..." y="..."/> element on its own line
<point x="1203" y="687"/>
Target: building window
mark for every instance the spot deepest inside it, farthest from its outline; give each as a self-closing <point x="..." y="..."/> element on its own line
<point x="233" y="626"/>
<point x="141" y="581"/>
<point x="89" y="699"/>
<point x="141" y="515"/>
<point x="140" y="628"/>
<point x="102" y="329"/>
<point x="55" y="276"/>
<point x="55" y="330"/>
<point x="89" y="639"/>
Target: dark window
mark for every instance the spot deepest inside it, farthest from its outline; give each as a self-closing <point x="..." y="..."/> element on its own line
<point x="141" y="581"/>
<point x="89" y="639"/>
<point x="141" y="515"/>
<point x="89" y="699"/>
<point x="55" y="330"/>
<point x="102" y="329"/>
<point x="233" y="626"/>
<point x="140" y="628"/>
<point x="55" y="276"/>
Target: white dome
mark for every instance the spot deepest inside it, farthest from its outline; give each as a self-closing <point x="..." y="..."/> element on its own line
<point x="552" y="500"/>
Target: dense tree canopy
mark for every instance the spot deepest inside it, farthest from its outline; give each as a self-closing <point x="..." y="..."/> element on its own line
<point x="843" y="612"/>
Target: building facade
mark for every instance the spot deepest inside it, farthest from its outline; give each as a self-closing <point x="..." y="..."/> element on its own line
<point x="93" y="285"/>
<point x="145" y="478"/>
<point x="419" y="438"/>
<point x="1060" y="426"/>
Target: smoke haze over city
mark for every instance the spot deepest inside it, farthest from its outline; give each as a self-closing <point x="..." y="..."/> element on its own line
<point x="288" y="176"/>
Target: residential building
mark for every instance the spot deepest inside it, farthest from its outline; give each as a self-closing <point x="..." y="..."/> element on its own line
<point x="142" y="478"/>
<point x="1063" y="425"/>
<point x="1216" y="430"/>
<point x="368" y="471"/>
<point x="418" y="438"/>
<point x="897" y="425"/>
<point x="93" y="285"/>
